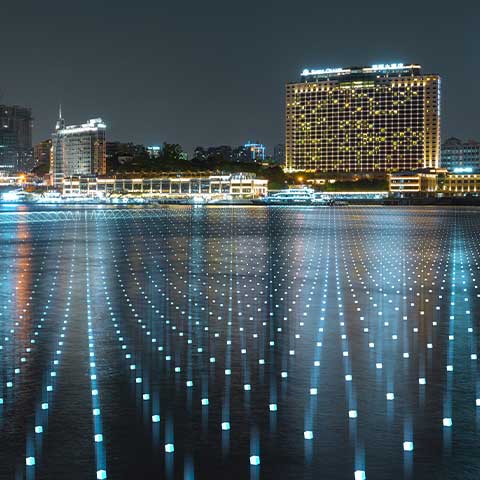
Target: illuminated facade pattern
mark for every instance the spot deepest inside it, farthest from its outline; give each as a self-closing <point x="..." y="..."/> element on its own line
<point x="413" y="182"/>
<point x="238" y="185"/>
<point x="78" y="150"/>
<point x="379" y="118"/>
<point x="462" y="184"/>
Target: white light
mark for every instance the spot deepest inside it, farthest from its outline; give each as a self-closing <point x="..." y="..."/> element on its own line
<point x="322" y="71"/>
<point x="10" y="196"/>
<point x="360" y="475"/>
<point x="387" y="66"/>
<point x="254" y="460"/>
<point x="308" y="435"/>
<point x="408" y="446"/>
<point x="447" y="422"/>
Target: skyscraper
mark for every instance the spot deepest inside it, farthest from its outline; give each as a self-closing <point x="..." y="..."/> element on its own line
<point x="78" y="149"/>
<point x="363" y="119"/>
<point x="15" y="138"/>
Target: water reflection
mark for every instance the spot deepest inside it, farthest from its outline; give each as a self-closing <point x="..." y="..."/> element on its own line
<point x="196" y="342"/>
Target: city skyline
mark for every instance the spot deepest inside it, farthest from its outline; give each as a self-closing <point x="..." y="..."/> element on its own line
<point x="197" y="82"/>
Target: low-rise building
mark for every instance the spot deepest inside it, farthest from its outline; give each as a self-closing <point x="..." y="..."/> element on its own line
<point x="234" y="186"/>
<point x="461" y="184"/>
<point x="434" y="181"/>
<point x="415" y="181"/>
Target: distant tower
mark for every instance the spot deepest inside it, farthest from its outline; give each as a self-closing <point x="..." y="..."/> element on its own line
<point x="60" y="122"/>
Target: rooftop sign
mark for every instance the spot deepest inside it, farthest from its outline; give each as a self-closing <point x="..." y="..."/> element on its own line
<point x="379" y="67"/>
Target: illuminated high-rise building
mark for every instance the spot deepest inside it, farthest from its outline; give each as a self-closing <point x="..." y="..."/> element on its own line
<point x="78" y="150"/>
<point x="363" y="119"/>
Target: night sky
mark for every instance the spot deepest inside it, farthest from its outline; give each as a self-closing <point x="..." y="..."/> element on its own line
<point x="210" y="73"/>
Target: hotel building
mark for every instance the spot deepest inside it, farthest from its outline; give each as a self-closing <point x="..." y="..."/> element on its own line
<point x="363" y="119"/>
<point x="78" y="150"/>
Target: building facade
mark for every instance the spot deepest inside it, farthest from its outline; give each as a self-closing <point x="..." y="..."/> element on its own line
<point x="459" y="156"/>
<point x="434" y="181"/>
<point x="235" y="186"/>
<point x="363" y="119"/>
<point x="154" y="151"/>
<point x="419" y="181"/>
<point x="255" y="152"/>
<point x="42" y="153"/>
<point x="461" y="184"/>
<point x="16" y="153"/>
<point x="78" y="150"/>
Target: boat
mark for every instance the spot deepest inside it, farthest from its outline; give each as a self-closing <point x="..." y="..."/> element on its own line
<point x="291" y="196"/>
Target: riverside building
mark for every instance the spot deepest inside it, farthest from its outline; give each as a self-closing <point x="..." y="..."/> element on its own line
<point x="240" y="185"/>
<point x="78" y="150"/>
<point x="381" y="118"/>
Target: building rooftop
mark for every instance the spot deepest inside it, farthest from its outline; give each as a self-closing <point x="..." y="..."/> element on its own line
<point x="91" y="125"/>
<point x="378" y="70"/>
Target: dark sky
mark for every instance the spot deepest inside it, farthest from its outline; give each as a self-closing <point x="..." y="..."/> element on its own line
<point x="213" y="72"/>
